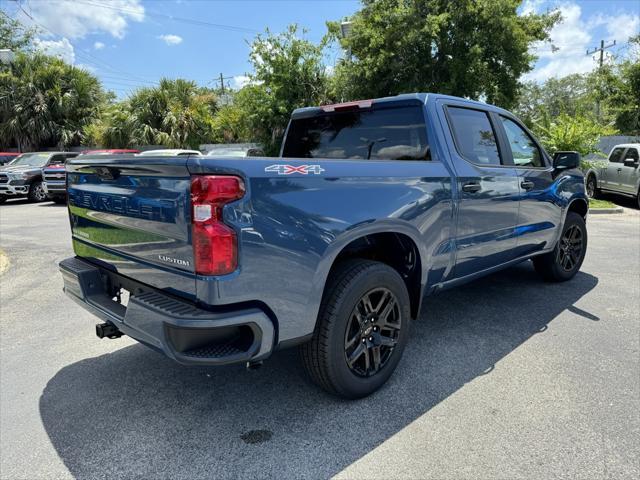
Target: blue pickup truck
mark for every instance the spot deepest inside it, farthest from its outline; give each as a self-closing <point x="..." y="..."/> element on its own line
<point x="330" y="247"/>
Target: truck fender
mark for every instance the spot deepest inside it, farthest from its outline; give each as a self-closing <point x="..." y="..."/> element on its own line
<point x="359" y="231"/>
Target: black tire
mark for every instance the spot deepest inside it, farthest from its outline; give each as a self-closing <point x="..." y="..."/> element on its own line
<point x="36" y="192"/>
<point x="592" y="187"/>
<point x="3" y="198"/>
<point x="342" y="319"/>
<point x="566" y="258"/>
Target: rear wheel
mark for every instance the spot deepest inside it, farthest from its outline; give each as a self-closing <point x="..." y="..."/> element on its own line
<point x="592" y="187"/>
<point x="36" y="192"/>
<point x="362" y="329"/>
<point x="566" y="258"/>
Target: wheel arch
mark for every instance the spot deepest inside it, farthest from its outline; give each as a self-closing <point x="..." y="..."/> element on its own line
<point x="580" y="206"/>
<point x="397" y="247"/>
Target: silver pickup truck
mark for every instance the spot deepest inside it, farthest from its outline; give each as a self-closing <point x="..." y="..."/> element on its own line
<point x="619" y="175"/>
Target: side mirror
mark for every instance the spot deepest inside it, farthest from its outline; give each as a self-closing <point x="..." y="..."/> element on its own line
<point x="630" y="162"/>
<point x="566" y="160"/>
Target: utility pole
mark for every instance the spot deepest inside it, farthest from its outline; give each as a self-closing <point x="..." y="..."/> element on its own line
<point x="222" y="83"/>
<point x="602" y="48"/>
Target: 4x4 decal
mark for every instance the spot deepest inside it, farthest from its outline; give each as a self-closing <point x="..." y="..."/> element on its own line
<point x="282" y="169"/>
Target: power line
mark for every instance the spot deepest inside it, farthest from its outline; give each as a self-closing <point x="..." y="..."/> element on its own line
<point x="191" y="21"/>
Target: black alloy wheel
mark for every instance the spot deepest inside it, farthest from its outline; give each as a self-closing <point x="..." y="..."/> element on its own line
<point x="570" y="248"/>
<point x="372" y="332"/>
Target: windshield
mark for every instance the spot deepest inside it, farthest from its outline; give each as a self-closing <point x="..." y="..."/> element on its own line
<point x="397" y="133"/>
<point x="32" y="159"/>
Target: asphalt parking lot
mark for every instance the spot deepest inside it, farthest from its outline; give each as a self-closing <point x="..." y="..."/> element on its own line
<point x="507" y="377"/>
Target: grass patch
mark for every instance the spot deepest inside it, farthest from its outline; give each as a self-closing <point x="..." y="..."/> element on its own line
<point x="595" y="204"/>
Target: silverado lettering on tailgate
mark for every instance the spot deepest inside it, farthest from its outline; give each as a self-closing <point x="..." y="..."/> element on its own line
<point x="149" y="209"/>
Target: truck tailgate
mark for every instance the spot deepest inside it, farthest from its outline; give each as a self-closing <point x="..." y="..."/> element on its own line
<point x="132" y="215"/>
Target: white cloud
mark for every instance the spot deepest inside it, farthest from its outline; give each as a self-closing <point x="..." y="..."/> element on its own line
<point x="171" y="39"/>
<point x="530" y="6"/>
<point x="58" y="48"/>
<point x="565" y="53"/>
<point x="619" y="27"/>
<point x="570" y="39"/>
<point x="72" y="20"/>
<point x="240" y="81"/>
<point x="98" y="45"/>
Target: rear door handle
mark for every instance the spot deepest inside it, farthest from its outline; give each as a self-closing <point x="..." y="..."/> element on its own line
<point x="471" y="187"/>
<point x="527" y="185"/>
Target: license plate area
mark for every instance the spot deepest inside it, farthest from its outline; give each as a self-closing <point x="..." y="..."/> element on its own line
<point x="122" y="297"/>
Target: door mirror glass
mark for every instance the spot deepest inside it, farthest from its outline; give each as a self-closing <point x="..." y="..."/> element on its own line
<point x="566" y="160"/>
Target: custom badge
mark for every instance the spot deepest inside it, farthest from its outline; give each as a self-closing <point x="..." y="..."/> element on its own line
<point x="282" y="169"/>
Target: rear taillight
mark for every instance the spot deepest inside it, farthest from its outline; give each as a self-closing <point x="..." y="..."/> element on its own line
<point x="215" y="246"/>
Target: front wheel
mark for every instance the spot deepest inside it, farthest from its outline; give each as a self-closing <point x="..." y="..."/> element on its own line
<point x="566" y="258"/>
<point x="36" y="192"/>
<point x="3" y="198"/>
<point x="363" y="327"/>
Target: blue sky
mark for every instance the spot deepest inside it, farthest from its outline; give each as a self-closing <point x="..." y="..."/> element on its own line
<point x="131" y="43"/>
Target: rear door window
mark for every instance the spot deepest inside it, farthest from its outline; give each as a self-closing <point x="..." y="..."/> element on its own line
<point x="397" y="133"/>
<point x="474" y="135"/>
<point x="616" y="155"/>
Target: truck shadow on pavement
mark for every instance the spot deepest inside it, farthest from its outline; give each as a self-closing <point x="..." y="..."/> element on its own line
<point x="134" y="413"/>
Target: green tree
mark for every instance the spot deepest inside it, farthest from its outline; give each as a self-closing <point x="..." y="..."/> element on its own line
<point x="13" y="35"/>
<point x="617" y="87"/>
<point x="468" y="48"/>
<point x="571" y="132"/>
<point x="573" y="95"/>
<point x="45" y="102"/>
<point x="288" y="73"/>
<point x="177" y="113"/>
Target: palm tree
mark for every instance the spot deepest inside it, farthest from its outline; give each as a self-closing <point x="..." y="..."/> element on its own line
<point x="45" y="102"/>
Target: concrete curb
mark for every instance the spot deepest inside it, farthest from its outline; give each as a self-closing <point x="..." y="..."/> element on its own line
<point x="602" y="211"/>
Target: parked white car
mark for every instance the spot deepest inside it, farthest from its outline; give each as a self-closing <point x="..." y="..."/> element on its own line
<point x="168" y="152"/>
<point x="236" y="150"/>
<point x="619" y="175"/>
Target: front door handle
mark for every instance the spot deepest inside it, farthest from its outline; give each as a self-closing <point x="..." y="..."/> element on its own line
<point x="619" y="170"/>
<point x="527" y="184"/>
<point x="471" y="187"/>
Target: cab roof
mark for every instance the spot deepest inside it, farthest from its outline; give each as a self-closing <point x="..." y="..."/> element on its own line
<point x="402" y="99"/>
